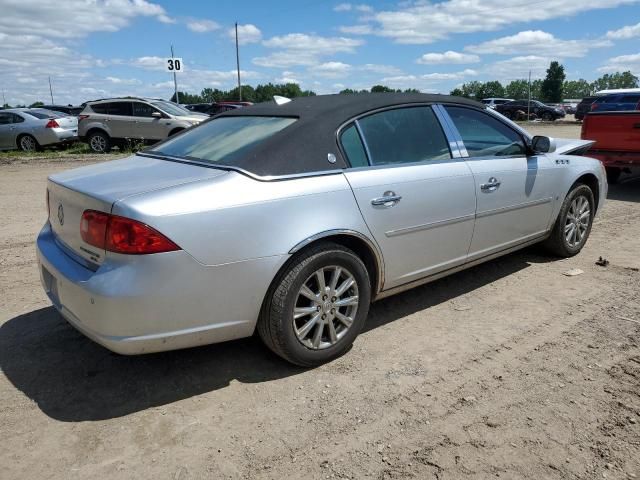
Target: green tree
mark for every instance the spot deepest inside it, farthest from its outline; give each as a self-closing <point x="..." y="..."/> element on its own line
<point x="382" y="89"/>
<point x="576" y="89"/>
<point x="517" y="89"/>
<point x="186" y="97"/>
<point x="36" y="105"/>
<point x="536" y="89"/>
<point x="456" y="92"/>
<point x="491" y="89"/>
<point x="615" y="80"/>
<point x="411" y="90"/>
<point x="551" y="90"/>
<point x="472" y="89"/>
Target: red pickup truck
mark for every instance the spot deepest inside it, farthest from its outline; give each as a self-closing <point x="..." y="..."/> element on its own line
<point x="617" y="137"/>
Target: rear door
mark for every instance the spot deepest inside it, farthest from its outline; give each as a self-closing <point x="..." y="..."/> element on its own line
<point x="514" y="192"/>
<point x="120" y="119"/>
<point x="7" y="130"/>
<point x="147" y="126"/>
<point x="417" y="200"/>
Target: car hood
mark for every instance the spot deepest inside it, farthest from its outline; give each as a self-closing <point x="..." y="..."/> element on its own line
<point x="195" y="118"/>
<point x="566" y="146"/>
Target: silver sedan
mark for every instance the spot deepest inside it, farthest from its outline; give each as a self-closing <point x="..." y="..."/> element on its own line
<point x="290" y="217"/>
<point x="29" y="129"/>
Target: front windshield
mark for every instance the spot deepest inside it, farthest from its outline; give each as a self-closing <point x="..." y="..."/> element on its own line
<point x="172" y="108"/>
<point x="223" y="140"/>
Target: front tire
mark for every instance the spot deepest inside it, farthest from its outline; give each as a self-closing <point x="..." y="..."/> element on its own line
<point x="317" y="306"/>
<point x="573" y="225"/>
<point x="99" y="142"/>
<point x="547" y="117"/>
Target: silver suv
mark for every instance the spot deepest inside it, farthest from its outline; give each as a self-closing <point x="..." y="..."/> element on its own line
<point x="114" y="122"/>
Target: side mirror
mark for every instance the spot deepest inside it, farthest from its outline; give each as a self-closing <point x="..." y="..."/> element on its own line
<point x="156" y="115"/>
<point x="540" y="144"/>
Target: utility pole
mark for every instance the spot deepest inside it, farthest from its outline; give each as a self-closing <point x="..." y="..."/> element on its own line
<point x="175" y="80"/>
<point x="238" y="65"/>
<point x="51" y="92"/>
<point x="4" y="100"/>
<point x="529" y="102"/>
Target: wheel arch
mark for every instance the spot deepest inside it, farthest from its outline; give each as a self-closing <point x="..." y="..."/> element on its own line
<point x="361" y="245"/>
<point x="176" y="130"/>
<point x="591" y="181"/>
<point x="97" y="129"/>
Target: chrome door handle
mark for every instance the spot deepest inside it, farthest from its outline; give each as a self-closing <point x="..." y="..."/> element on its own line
<point x="491" y="186"/>
<point x="388" y="199"/>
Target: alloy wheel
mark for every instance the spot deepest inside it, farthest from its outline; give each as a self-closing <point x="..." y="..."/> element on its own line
<point x="98" y="143"/>
<point x="325" y="307"/>
<point x="28" y="143"/>
<point x="577" y="221"/>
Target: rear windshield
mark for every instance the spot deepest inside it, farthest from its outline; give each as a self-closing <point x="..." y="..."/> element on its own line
<point x="171" y="108"/>
<point x="223" y="140"/>
<point x="42" y="113"/>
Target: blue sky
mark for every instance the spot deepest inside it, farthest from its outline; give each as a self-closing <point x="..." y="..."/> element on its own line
<point x="117" y="47"/>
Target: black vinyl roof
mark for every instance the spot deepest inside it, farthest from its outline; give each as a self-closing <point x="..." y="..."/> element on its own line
<point x="303" y="146"/>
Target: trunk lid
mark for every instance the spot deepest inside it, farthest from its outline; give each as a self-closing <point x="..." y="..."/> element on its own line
<point x="67" y="123"/>
<point x="98" y="187"/>
<point x="571" y="146"/>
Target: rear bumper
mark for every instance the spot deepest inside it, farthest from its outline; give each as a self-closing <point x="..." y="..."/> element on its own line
<point x="154" y="303"/>
<point x="51" y="136"/>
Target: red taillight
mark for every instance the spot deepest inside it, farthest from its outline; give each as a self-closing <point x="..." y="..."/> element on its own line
<point x="82" y="117"/>
<point x="594" y="106"/>
<point x="122" y="235"/>
<point x="52" y="124"/>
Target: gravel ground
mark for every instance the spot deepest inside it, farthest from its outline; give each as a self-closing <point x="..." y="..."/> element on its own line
<point x="510" y="369"/>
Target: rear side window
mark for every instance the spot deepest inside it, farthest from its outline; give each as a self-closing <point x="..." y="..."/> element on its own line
<point x="224" y="140"/>
<point x="113" y="108"/>
<point x="485" y="136"/>
<point x="353" y="148"/>
<point x="42" y="114"/>
<point x="631" y="98"/>
<point x="6" y="118"/>
<point x="404" y="135"/>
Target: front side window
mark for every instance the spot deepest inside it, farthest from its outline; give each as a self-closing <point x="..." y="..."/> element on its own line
<point x="143" y="110"/>
<point x="171" y="108"/>
<point x="223" y="140"/>
<point x="353" y="148"/>
<point x="404" y="135"/>
<point x="485" y="136"/>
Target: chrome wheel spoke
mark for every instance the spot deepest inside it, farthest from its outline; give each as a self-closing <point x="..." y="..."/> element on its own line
<point x="320" y="278"/>
<point x="308" y="293"/>
<point x="306" y="328"/>
<point x="318" y="335"/>
<point x="345" y="302"/>
<point x="346" y="321"/>
<point x="300" y="312"/>
<point x="333" y="336"/>
<point x="345" y="286"/>
<point x="334" y="279"/>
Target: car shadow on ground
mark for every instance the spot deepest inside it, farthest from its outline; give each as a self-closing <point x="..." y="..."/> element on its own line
<point x="73" y="379"/>
<point x="628" y="190"/>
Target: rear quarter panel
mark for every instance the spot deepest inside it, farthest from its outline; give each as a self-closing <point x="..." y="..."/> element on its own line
<point x="234" y="217"/>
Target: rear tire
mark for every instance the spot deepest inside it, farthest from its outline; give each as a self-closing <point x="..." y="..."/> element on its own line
<point x="573" y="225"/>
<point x="99" y="142"/>
<point x="28" y="143"/>
<point x="317" y="306"/>
<point x="613" y="174"/>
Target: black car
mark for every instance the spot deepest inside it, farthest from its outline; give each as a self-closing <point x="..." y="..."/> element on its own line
<point x="518" y="110"/>
<point x="68" y="109"/>
<point x="584" y="107"/>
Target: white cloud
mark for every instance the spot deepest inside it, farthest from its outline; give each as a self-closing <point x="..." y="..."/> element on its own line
<point x="357" y="29"/>
<point x="428" y="79"/>
<point x="74" y="18"/>
<point x="519" y="67"/>
<point x="422" y="22"/>
<point x="123" y="81"/>
<point x="624" y="33"/>
<point x="447" y="57"/>
<point x="622" y="63"/>
<point x="202" y="26"/>
<point x="342" y="7"/>
<point x="246" y="34"/>
<point x="381" y="69"/>
<point x="537" y="42"/>
<point x="331" y="69"/>
<point x="150" y="63"/>
<point x="347" y="7"/>
<point x="303" y="49"/>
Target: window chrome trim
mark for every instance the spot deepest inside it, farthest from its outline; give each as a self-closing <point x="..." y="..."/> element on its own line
<point x="453" y="136"/>
<point x="363" y="140"/>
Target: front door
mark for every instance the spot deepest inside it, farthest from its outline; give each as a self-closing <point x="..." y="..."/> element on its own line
<point x="418" y="201"/>
<point x="148" y="126"/>
<point x="514" y="191"/>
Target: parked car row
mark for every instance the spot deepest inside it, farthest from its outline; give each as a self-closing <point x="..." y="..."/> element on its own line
<point x="520" y="109"/>
<point x="612" y="102"/>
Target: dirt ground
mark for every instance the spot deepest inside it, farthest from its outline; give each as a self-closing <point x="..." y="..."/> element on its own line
<point x="510" y="369"/>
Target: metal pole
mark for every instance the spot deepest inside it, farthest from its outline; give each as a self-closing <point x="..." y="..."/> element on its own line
<point x="175" y="80"/>
<point x="4" y="100"/>
<point x="529" y="102"/>
<point x="238" y="65"/>
<point x="51" y="91"/>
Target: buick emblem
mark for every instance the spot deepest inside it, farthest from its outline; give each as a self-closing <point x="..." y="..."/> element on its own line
<point x="61" y="214"/>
